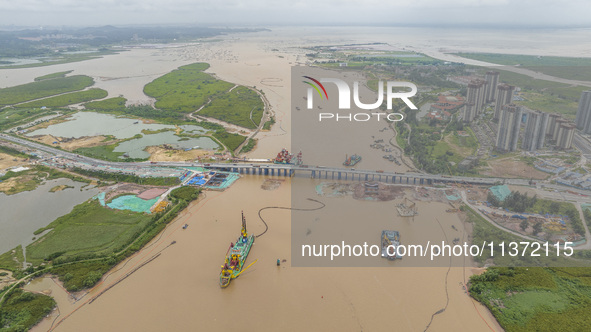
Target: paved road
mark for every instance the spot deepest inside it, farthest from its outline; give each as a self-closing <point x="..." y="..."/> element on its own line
<point x="134" y="167"/>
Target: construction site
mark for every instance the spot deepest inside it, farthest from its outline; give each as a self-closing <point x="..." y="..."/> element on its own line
<point x="407" y="208"/>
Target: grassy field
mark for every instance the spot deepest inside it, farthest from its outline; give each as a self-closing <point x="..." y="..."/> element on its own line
<point x="564" y="67"/>
<point x="52" y="76"/>
<point x="89" y="227"/>
<point x="42" y="89"/>
<point x="103" y="152"/>
<point x="12" y="261"/>
<point x="111" y="104"/>
<point x="536" y="299"/>
<point x="185" y="89"/>
<point x="12" y="117"/>
<point x="236" y="108"/>
<point x="464" y="145"/>
<point x="230" y="140"/>
<point x="550" y="104"/>
<point x="544" y="95"/>
<point x="66" y="99"/>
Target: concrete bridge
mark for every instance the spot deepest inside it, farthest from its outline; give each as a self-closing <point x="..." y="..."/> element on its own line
<point x="320" y="172"/>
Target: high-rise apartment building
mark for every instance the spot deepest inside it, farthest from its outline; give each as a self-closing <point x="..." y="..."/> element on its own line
<point x="584" y="112"/>
<point x="535" y="131"/>
<point x="504" y="97"/>
<point x="492" y="80"/>
<point x="508" y="131"/>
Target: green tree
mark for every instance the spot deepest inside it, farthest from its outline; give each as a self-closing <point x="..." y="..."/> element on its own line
<point x="523" y="225"/>
<point x="537" y="228"/>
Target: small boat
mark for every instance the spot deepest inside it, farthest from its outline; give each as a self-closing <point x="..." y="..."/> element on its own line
<point x="236" y="256"/>
<point x="390" y="242"/>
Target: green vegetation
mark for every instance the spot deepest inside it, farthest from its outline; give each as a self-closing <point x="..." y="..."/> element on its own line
<point x="103" y="152"/>
<point x="83" y="245"/>
<point x="547" y="96"/>
<point x="242" y="106"/>
<point x="13" y="152"/>
<point x="185" y="89"/>
<point x="151" y="132"/>
<point x="54" y="75"/>
<point x="82" y="275"/>
<point x="12" y="117"/>
<point x="536" y="299"/>
<point x="268" y="124"/>
<point x="428" y="149"/>
<point x="60" y="188"/>
<point x="146" y="112"/>
<point x="518" y="202"/>
<point x="230" y="140"/>
<point x="550" y="103"/>
<point x="106" y="152"/>
<point x="118" y="177"/>
<point x="564" y="67"/>
<point x="587" y="215"/>
<point x="185" y="193"/>
<point x="67" y="99"/>
<point x="110" y="104"/>
<point x="13" y="259"/>
<point x="89" y="227"/>
<point x="23" y="181"/>
<point x="22" y="310"/>
<point x="249" y="146"/>
<point x="515" y="202"/>
<point x="29" y="179"/>
<point x="45" y="88"/>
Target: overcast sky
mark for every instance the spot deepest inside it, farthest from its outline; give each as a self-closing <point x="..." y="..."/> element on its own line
<point x="512" y="13"/>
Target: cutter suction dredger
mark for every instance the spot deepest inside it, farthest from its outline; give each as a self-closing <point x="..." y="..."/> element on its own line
<point x="236" y="256"/>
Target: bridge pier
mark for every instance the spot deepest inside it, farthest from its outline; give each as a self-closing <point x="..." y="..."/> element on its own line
<point x="339" y="175"/>
<point x="313" y="176"/>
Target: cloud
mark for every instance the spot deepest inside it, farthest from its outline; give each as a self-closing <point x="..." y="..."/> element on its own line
<point x="267" y="12"/>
